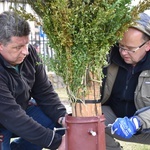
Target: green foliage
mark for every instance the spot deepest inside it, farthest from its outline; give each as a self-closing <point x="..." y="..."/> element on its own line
<point x="81" y="33"/>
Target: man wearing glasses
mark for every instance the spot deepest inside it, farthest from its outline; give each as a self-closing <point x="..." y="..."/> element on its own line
<point x="126" y="87"/>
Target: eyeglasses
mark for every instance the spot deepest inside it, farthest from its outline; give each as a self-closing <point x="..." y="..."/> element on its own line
<point x="131" y="50"/>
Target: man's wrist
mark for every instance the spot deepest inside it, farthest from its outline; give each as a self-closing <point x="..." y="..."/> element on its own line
<point x="135" y="120"/>
<point x="60" y="120"/>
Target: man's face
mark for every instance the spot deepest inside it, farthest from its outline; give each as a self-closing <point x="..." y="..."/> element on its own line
<point x="16" y="50"/>
<point x="133" y="47"/>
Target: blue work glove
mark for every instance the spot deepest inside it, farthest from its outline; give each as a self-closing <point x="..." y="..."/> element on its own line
<point x="125" y="127"/>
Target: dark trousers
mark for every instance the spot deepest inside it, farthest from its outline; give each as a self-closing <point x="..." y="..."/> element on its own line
<point x="20" y="144"/>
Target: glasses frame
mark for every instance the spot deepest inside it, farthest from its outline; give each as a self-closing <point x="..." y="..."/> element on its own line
<point x="132" y="51"/>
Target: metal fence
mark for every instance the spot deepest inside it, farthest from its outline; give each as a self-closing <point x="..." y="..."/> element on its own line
<point x="41" y="43"/>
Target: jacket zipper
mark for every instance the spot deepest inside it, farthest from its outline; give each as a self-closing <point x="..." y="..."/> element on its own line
<point x="126" y="87"/>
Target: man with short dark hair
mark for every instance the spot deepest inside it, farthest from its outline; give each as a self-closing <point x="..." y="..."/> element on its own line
<point x="126" y="87"/>
<point x="22" y="76"/>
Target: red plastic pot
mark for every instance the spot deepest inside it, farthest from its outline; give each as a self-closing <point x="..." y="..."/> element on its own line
<point x="85" y="133"/>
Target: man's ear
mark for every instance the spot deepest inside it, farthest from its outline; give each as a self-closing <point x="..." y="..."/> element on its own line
<point x="148" y="46"/>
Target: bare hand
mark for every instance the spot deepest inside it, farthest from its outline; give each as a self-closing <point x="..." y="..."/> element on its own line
<point x="62" y="145"/>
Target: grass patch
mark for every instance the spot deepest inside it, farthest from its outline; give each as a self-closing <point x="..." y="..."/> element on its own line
<point x="134" y="146"/>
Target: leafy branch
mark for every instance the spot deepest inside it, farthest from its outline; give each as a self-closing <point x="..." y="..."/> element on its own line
<point x="81" y="33"/>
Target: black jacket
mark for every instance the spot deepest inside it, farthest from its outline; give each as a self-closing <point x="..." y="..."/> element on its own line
<point x="16" y="89"/>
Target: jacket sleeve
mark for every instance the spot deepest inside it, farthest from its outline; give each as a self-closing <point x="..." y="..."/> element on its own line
<point x="142" y="99"/>
<point x="43" y="92"/>
<point x="143" y="115"/>
<point x="14" y="118"/>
